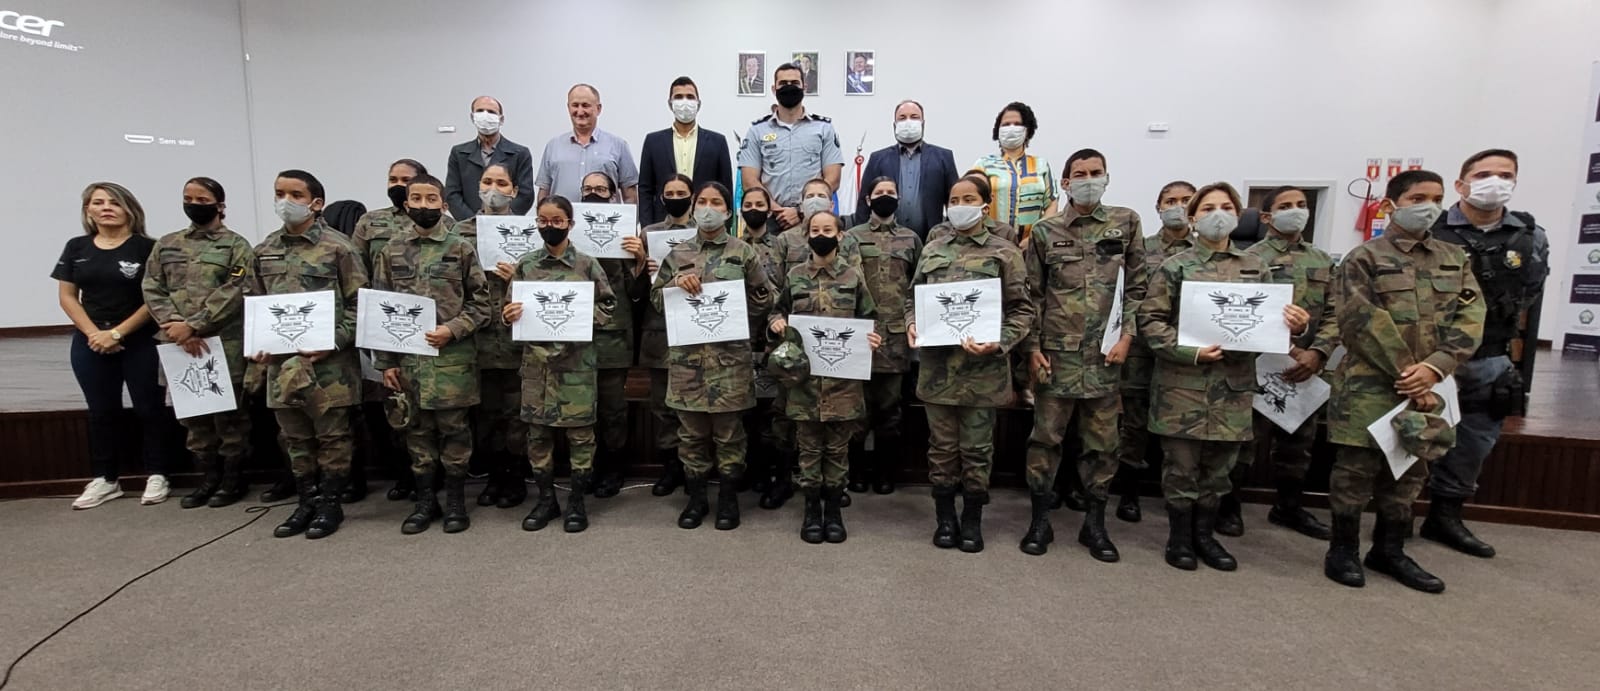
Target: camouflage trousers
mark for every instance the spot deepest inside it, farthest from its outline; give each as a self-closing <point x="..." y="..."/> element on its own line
<point x="442" y="436"/>
<point x="960" y="446"/>
<point x="314" y="442"/>
<point x="611" y="402"/>
<point x="778" y="433"/>
<point x="1134" y="431"/>
<point x="219" y="435"/>
<point x="1097" y="429"/>
<point x="497" y="420"/>
<point x="1196" y="471"/>
<point x="542" y="448"/>
<point x="824" y="453"/>
<point x="706" y="436"/>
<point x="1291" y="451"/>
<point x="884" y="397"/>
<point x="1360" y="474"/>
<point x="666" y="419"/>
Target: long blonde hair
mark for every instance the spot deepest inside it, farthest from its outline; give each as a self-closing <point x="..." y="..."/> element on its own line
<point x="122" y="197"/>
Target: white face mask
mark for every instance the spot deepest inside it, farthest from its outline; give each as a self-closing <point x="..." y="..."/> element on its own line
<point x="487" y="123"/>
<point x="964" y="217"/>
<point x="1174" y="217"/>
<point x="1491" y="194"/>
<point x="708" y="218"/>
<point x="1012" y="137"/>
<point x="815" y="204"/>
<point x="1087" y="191"/>
<point x="493" y="199"/>
<point x="289" y="212"/>
<point x="1417" y="218"/>
<point x="1291" y="221"/>
<point x="908" y="132"/>
<point x="1217" y="225"/>
<point x="684" y="110"/>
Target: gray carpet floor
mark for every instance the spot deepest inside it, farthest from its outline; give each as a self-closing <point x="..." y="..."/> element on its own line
<point x="636" y="602"/>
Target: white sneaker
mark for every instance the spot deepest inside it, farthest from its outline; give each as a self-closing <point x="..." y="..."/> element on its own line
<point x="155" y="490"/>
<point x="97" y="492"/>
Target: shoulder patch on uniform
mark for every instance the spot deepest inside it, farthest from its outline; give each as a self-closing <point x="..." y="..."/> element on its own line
<point x="1468" y="296"/>
<point x="761" y="120"/>
<point x="818" y="118"/>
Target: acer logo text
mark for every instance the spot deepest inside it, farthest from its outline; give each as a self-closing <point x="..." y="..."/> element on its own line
<point x="27" y="23"/>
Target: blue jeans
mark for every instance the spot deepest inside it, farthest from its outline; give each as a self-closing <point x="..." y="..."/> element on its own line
<point x="102" y="377"/>
<point x="1455" y="475"/>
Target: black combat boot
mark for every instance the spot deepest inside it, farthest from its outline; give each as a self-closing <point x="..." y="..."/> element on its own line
<point x="728" y="501"/>
<point x="426" y="509"/>
<point x="860" y="465"/>
<point x="233" y="487"/>
<point x="1093" y="533"/>
<point x="972" y="521"/>
<point x="546" y="509"/>
<point x="285" y="487"/>
<point x="811" y="524"/>
<point x="671" y="473"/>
<point x="1443" y="525"/>
<point x="609" y="477"/>
<point x="1343" y="563"/>
<point x="1288" y="512"/>
<point x="782" y="487"/>
<point x="514" y="487"/>
<point x="1229" y="520"/>
<point x="455" y="502"/>
<point x="832" y="519"/>
<point x="944" y="512"/>
<point x="355" y="487"/>
<point x="1180" y="537"/>
<point x="577" y="514"/>
<point x="694" y="512"/>
<point x="1389" y="558"/>
<point x="210" y="480"/>
<point x="404" y="487"/>
<point x="885" y="455"/>
<point x="1128" y="508"/>
<point x="330" y="512"/>
<point x="490" y="494"/>
<point x="296" y="522"/>
<point x="1205" y="542"/>
<point x="1039" y="536"/>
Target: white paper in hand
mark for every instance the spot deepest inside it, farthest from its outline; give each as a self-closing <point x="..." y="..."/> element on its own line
<point x="289" y="323"/>
<point x="1388" y="441"/>
<point x="1237" y="316"/>
<point x="506" y="239"/>
<point x="1447" y="390"/>
<point x="1114" y="320"/>
<point x="198" y="385"/>
<point x="1287" y="404"/>
<point x="659" y="243"/>
<point x="948" y="313"/>
<point x="554" y="311"/>
<point x="719" y="313"/>
<point x="836" y="348"/>
<point x="395" y="322"/>
<point x="598" y="229"/>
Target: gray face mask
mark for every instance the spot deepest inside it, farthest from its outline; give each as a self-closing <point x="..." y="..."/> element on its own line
<point x="1417" y="218"/>
<point x="708" y="219"/>
<point x="1087" y="191"/>
<point x="1216" y="226"/>
<point x="1291" y="221"/>
<point x="494" y="200"/>
<point x="815" y="204"/>
<point x="1174" y="217"/>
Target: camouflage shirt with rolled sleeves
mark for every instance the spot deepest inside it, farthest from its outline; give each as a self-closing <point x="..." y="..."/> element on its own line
<point x="1311" y="271"/>
<point x="559" y="381"/>
<point x="1402" y="301"/>
<point x="496" y="350"/>
<point x="653" y="332"/>
<point x="376" y="228"/>
<point x="614" y="341"/>
<point x="198" y="277"/>
<point x="1073" y="263"/>
<point x="949" y="375"/>
<point x="438" y="263"/>
<point x="1141" y="364"/>
<point x="714" y="377"/>
<point x="835" y="290"/>
<point x="319" y="259"/>
<point x="998" y="229"/>
<point x="889" y="255"/>
<point x="1210" y="401"/>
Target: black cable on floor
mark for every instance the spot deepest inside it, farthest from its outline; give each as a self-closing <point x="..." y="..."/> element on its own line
<point x="259" y="511"/>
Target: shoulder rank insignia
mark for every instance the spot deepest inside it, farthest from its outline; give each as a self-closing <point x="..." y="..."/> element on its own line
<point x="1469" y="296"/>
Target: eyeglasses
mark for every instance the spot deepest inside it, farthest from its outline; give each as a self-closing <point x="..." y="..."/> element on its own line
<point x="602" y="191"/>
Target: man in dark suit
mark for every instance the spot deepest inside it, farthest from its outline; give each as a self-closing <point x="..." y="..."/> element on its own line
<point x="468" y="159"/>
<point x="682" y="148"/>
<point x="923" y="173"/>
<point x="750" y="82"/>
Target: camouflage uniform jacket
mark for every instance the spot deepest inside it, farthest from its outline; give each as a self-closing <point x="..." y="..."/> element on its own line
<point x="1210" y="401"/>
<point x="949" y="376"/>
<point x="319" y="259"/>
<point x="996" y="228"/>
<point x="765" y="243"/>
<point x="889" y="254"/>
<point x="199" y="278"/>
<point x="1073" y="263"/>
<point x="559" y="385"/>
<point x="376" y="228"/>
<point x="438" y="263"/>
<point x="1141" y="364"/>
<point x="1311" y="271"/>
<point x="614" y="340"/>
<point x="496" y="350"/>
<point x="1403" y="301"/>
<point x="835" y="290"/>
<point x="653" y="333"/>
<point x="714" y="377"/>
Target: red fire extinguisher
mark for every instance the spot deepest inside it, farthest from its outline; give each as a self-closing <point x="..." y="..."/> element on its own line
<point x="1370" y="221"/>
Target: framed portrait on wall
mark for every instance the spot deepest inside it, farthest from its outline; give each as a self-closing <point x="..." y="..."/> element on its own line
<point x="752" y="67"/>
<point x="806" y="60"/>
<point x="858" y="72"/>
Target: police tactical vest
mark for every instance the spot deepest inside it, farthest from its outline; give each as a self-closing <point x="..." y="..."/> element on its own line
<point x="1506" y="264"/>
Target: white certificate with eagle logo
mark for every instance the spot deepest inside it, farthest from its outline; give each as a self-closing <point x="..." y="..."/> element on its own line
<point x="834" y="346"/>
<point x="198" y="384"/>
<point x="1237" y="316"/>
<point x="598" y="229"/>
<point x="949" y="313"/>
<point x="288" y="323"/>
<point x="506" y="239"/>
<point x="554" y="311"/>
<point x="719" y="313"/>
<point x="395" y="322"/>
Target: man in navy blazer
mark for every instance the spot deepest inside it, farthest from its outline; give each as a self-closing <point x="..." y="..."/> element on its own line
<point x="922" y="172"/>
<point x="685" y="148"/>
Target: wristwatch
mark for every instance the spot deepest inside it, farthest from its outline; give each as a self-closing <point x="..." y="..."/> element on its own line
<point x="116" y="335"/>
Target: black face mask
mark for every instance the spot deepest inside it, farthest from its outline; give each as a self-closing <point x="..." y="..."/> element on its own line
<point x="883" y="207"/>
<point x="595" y="199"/>
<point x="755" y="219"/>
<point x="552" y="235"/>
<point x="425" y="218"/>
<point x="397" y="194"/>
<point x="201" y="214"/>
<point x="790" y="95"/>
<point x="676" y="208"/>
<point x="823" y="245"/>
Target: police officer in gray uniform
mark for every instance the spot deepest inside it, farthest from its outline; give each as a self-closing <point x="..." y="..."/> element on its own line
<point x="1510" y="256"/>
<point x="785" y="149"/>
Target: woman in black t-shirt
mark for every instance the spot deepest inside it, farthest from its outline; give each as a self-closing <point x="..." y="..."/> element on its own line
<point x="100" y="274"/>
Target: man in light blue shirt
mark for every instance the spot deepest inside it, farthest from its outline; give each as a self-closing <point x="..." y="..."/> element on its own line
<point x="586" y="149"/>
<point x="785" y="149"/>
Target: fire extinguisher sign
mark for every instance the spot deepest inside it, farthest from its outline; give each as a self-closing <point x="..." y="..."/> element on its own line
<point x="1413" y="164"/>
<point x="1374" y="168"/>
<point x="1394" y="167"/>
